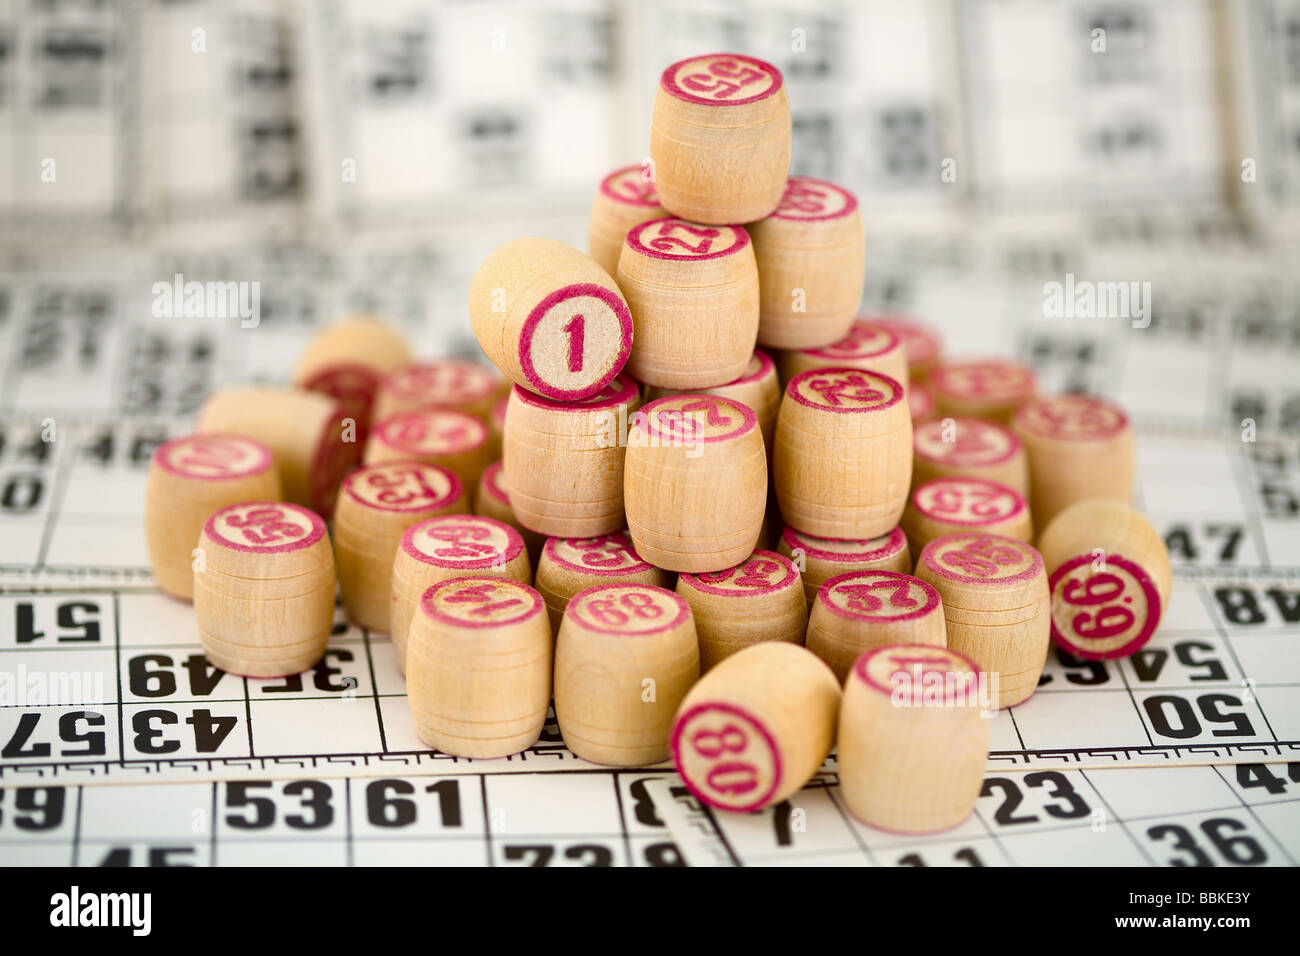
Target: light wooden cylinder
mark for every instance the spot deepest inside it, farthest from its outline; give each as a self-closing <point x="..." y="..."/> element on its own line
<point x="563" y="461"/>
<point x="625" y="657"/>
<point x="865" y="346"/>
<point x="995" y="605"/>
<point x="761" y="599"/>
<point x="438" y="436"/>
<point x="456" y="384"/>
<point x="264" y="588"/>
<point x="444" y="547"/>
<point x="863" y="610"/>
<point x="624" y="199"/>
<point x="759" y="388"/>
<point x="307" y="434"/>
<point x="550" y="318"/>
<point x="951" y="505"/>
<point x="811" y="257"/>
<point x="1109" y="576"/>
<point x="693" y="294"/>
<point x="757" y="727"/>
<point x="376" y="505"/>
<point x="1078" y="448"/>
<point x="819" y="559"/>
<point x="361" y="340"/>
<point x="969" y="448"/>
<point x="920" y="404"/>
<point x="346" y="361"/>
<point x="981" y="388"/>
<point x="720" y="138"/>
<point x="911" y="761"/>
<point x="492" y="500"/>
<point x="479" y="667"/>
<point x="921" y="344"/>
<point x="843" y="453"/>
<point x="570" y="565"/>
<point x="189" y="478"/>
<point x="695" y="482"/>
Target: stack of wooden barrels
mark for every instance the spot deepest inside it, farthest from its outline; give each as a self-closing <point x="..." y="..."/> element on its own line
<point x="732" y="522"/>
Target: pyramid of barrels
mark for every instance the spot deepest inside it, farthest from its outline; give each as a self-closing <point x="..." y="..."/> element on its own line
<point x="706" y="508"/>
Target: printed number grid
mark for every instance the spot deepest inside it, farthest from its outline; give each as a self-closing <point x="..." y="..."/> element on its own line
<point x="111" y="685"/>
<point x="565" y="819"/>
<point x="1235" y="815"/>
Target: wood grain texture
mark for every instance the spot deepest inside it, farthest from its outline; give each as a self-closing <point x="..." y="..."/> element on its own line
<point x="1109" y="576"/>
<point x="756" y="728"/>
<point x="862" y="610"/>
<point x="492" y="500"/>
<point x="995" y="605"/>
<point x="444" y="547"/>
<point x="720" y="138"/>
<point x="693" y="293"/>
<point x="189" y="479"/>
<point x="625" y="198"/>
<point x="478" y="673"/>
<point x="695" y="482"/>
<point x="909" y="762"/>
<point x="264" y="589"/>
<point x="760" y="599"/>
<point x="759" y="388"/>
<point x="811" y="257"/>
<point x="624" y="659"/>
<point x="449" y="439"/>
<point x="1078" y="447"/>
<point x="819" y="559"/>
<point x="570" y="565"/>
<point x="843" y="453"/>
<point x="864" y="345"/>
<point x="550" y="318"/>
<point x="945" y="506"/>
<point x="376" y="505"/>
<point x="563" y="461"/>
<point x="307" y="433"/>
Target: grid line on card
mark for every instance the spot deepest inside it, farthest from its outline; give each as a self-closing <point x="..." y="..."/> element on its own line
<point x="1136" y="709"/>
<point x="1222" y="630"/>
<point x="833" y="793"/>
<point x="62" y="469"/>
<point x="374" y="691"/>
<point x="248" y="717"/>
<point x="1241" y="476"/>
<point x="616" y="780"/>
<point x="212" y="840"/>
<point x="992" y="834"/>
<point x="1255" y="816"/>
<point x="722" y="835"/>
<point x="487" y="820"/>
<point x="1011" y="712"/>
<point x="347" y="819"/>
<point x="76" y="827"/>
<point x="117" y="674"/>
